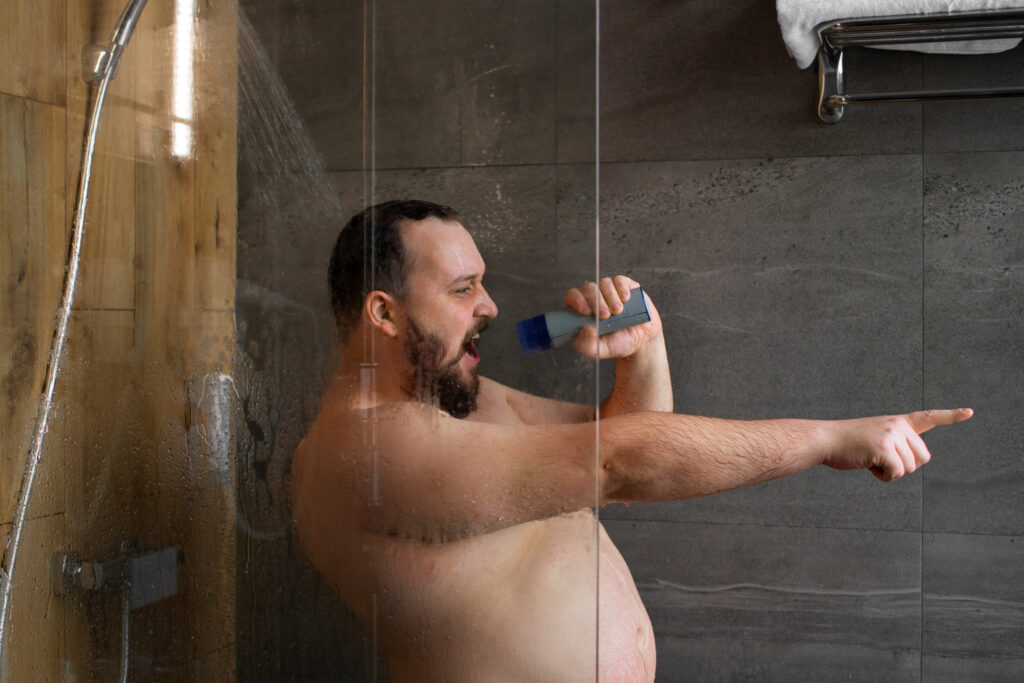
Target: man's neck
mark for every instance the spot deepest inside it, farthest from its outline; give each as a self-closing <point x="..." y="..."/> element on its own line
<point x="364" y="380"/>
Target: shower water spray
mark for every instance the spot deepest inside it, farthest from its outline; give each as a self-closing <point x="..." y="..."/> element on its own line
<point x="553" y="329"/>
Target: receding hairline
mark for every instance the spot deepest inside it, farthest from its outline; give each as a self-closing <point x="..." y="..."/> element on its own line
<point x="410" y="255"/>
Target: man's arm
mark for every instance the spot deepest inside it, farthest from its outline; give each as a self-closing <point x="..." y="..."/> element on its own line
<point x="653" y="456"/>
<point x="642" y="380"/>
<point x="443" y="479"/>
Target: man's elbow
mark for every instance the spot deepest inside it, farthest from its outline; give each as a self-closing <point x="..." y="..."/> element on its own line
<point x="621" y="460"/>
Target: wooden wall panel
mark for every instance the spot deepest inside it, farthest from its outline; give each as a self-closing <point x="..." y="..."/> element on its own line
<point x="32" y="251"/>
<point x="35" y="651"/>
<point x="97" y="426"/>
<point x="216" y="156"/>
<point x="32" y="49"/>
<point x="108" y="247"/>
<point x="153" y="317"/>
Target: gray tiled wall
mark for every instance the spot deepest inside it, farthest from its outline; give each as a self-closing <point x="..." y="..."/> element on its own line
<point x="802" y="269"/>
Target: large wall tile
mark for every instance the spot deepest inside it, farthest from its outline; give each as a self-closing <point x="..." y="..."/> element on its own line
<point x="577" y="82"/>
<point x="974" y="320"/>
<point x="780" y="299"/>
<point x="974" y="124"/>
<point x="448" y="97"/>
<point x="973" y="607"/>
<point x="705" y="79"/>
<point x="774" y="604"/>
<point x="310" y="53"/>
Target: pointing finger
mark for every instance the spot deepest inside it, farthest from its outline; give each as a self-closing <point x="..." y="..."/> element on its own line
<point x="924" y="420"/>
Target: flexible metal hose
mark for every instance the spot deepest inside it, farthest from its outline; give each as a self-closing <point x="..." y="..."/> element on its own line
<point x="120" y="39"/>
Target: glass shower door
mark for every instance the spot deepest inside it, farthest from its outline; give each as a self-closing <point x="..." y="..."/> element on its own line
<point x="235" y="143"/>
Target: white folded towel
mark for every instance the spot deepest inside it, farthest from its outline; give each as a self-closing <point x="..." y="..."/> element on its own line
<point x="798" y="19"/>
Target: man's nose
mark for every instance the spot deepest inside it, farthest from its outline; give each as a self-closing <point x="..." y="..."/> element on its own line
<point x="485" y="306"/>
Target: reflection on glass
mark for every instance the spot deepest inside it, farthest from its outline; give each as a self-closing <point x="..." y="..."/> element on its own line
<point x="183" y="55"/>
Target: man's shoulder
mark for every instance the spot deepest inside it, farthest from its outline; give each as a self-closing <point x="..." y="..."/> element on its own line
<point x="508" y="405"/>
<point x="344" y="425"/>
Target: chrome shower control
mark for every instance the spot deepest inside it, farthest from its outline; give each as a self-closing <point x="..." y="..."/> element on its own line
<point x="146" y="577"/>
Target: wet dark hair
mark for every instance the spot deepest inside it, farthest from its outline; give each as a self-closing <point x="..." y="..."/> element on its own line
<point x="369" y="255"/>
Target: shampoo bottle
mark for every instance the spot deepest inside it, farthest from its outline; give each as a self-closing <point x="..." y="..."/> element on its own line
<point x="553" y="329"/>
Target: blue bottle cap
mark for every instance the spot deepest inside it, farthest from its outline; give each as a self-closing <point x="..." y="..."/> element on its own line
<point x="533" y="334"/>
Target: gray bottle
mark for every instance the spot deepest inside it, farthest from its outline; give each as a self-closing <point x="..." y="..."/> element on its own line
<point x="553" y="329"/>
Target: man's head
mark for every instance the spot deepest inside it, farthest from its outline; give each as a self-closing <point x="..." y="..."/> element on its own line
<point x="369" y="255"/>
<point x="415" y="274"/>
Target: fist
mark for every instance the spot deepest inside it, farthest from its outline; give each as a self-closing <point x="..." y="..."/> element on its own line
<point x="606" y="298"/>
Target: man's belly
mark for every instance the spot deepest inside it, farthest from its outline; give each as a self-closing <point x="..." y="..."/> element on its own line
<point x="517" y="604"/>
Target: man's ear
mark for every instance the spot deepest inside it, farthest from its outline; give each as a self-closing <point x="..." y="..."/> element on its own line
<point x="381" y="310"/>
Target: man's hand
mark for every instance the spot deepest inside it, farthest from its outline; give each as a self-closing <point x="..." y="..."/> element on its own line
<point x="888" y="446"/>
<point x="607" y="297"/>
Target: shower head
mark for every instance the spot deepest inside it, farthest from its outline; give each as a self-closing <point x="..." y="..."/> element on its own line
<point x="99" y="62"/>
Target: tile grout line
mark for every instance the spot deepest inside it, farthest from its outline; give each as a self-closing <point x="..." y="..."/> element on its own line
<point x="626" y="162"/>
<point x="920" y="653"/>
<point x="797" y="527"/>
<point x="597" y="369"/>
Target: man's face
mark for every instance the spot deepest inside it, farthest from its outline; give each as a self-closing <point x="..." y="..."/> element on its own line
<point x="447" y="308"/>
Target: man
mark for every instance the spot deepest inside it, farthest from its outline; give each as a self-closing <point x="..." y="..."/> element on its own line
<point x="454" y="514"/>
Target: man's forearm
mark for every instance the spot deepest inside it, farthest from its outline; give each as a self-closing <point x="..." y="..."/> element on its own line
<point x="642" y="383"/>
<point x="656" y="456"/>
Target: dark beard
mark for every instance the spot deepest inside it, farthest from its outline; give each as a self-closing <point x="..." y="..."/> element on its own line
<point x="433" y="381"/>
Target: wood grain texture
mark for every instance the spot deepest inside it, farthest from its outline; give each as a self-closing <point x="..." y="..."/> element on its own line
<point x="32" y="49"/>
<point x="31" y="270"/>
<point x="36" y="649"/>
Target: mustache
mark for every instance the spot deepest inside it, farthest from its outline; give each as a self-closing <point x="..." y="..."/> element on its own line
<point x="476" y="329"/>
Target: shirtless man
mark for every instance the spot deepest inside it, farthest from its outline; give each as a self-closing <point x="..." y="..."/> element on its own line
<point x="454" y="514"/>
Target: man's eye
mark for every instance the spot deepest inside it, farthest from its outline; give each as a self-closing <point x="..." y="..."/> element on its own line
<point x="464" y="290"/>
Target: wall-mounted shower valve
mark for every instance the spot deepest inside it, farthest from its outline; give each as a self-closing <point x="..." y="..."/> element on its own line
<point x="71" y="574"/>
<point x="145" y="577"/>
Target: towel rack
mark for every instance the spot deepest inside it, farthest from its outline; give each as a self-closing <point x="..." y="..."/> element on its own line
<point x="837" y="35"/>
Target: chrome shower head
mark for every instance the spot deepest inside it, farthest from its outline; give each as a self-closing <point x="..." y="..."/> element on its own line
<point x="99" y="62"/>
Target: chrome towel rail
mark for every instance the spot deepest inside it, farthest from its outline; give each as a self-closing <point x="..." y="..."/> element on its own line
<point x="837" y="35"/>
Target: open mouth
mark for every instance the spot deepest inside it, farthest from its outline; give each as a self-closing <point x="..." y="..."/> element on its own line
<point x="470" y="347"/>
